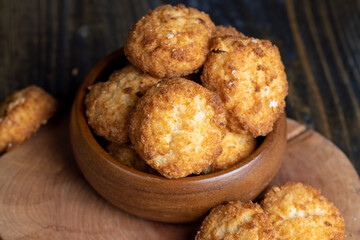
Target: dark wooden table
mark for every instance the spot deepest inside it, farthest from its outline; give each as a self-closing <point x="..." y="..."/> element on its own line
<point x="54" y="43"/>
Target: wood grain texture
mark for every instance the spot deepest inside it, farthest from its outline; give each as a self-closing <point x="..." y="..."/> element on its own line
<point x="314" y="25"/>
<point x="44" y="196"/>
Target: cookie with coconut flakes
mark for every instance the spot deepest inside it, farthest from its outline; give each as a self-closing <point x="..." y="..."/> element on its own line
<point x="126" y="154"/>
<point x="236" y="220"/>
<point x="297" y="211"/>
<point x="236" y="147"/>
<point x="177" y="127"/>
<point x="222" y="31"/>
<point x="22" y="114"/>
<point x="109" y="103"/>
<point x="170" y="41"/>
<point x="249" y="77"/>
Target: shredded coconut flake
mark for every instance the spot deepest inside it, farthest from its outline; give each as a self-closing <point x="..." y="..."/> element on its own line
<point x="265" y="91"/>
<point x="168" y="36"/>
<point x="273" y="104"/>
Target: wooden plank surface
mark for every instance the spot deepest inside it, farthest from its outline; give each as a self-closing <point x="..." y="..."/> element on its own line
<point x="54" y="44"/>
<point x="44" y="196"/>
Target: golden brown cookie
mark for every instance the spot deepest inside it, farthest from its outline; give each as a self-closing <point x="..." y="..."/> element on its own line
<point x="177" y="127"/>
<point x="236" y="147"/>
<point x="249" y="77"/>
<point x="222" y="31"/>
<point x="297" y="211"/>
<point x="236" y="220"/>
<point x="22" y="113"/>
<point x="108" y="104"/>
<point x="125" y="154"/>
<point x="170" y="41"/>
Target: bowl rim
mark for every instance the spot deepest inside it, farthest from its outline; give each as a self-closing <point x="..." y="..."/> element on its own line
<point x="79" y="109"/>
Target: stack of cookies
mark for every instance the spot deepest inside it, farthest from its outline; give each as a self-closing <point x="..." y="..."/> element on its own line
<point x="193" y="98"/>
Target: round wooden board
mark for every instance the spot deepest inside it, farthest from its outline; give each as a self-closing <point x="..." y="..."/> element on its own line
<point x="44" y="196"/>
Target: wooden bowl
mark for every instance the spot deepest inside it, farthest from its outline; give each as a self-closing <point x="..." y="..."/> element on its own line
<point x="155" y="197"/>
